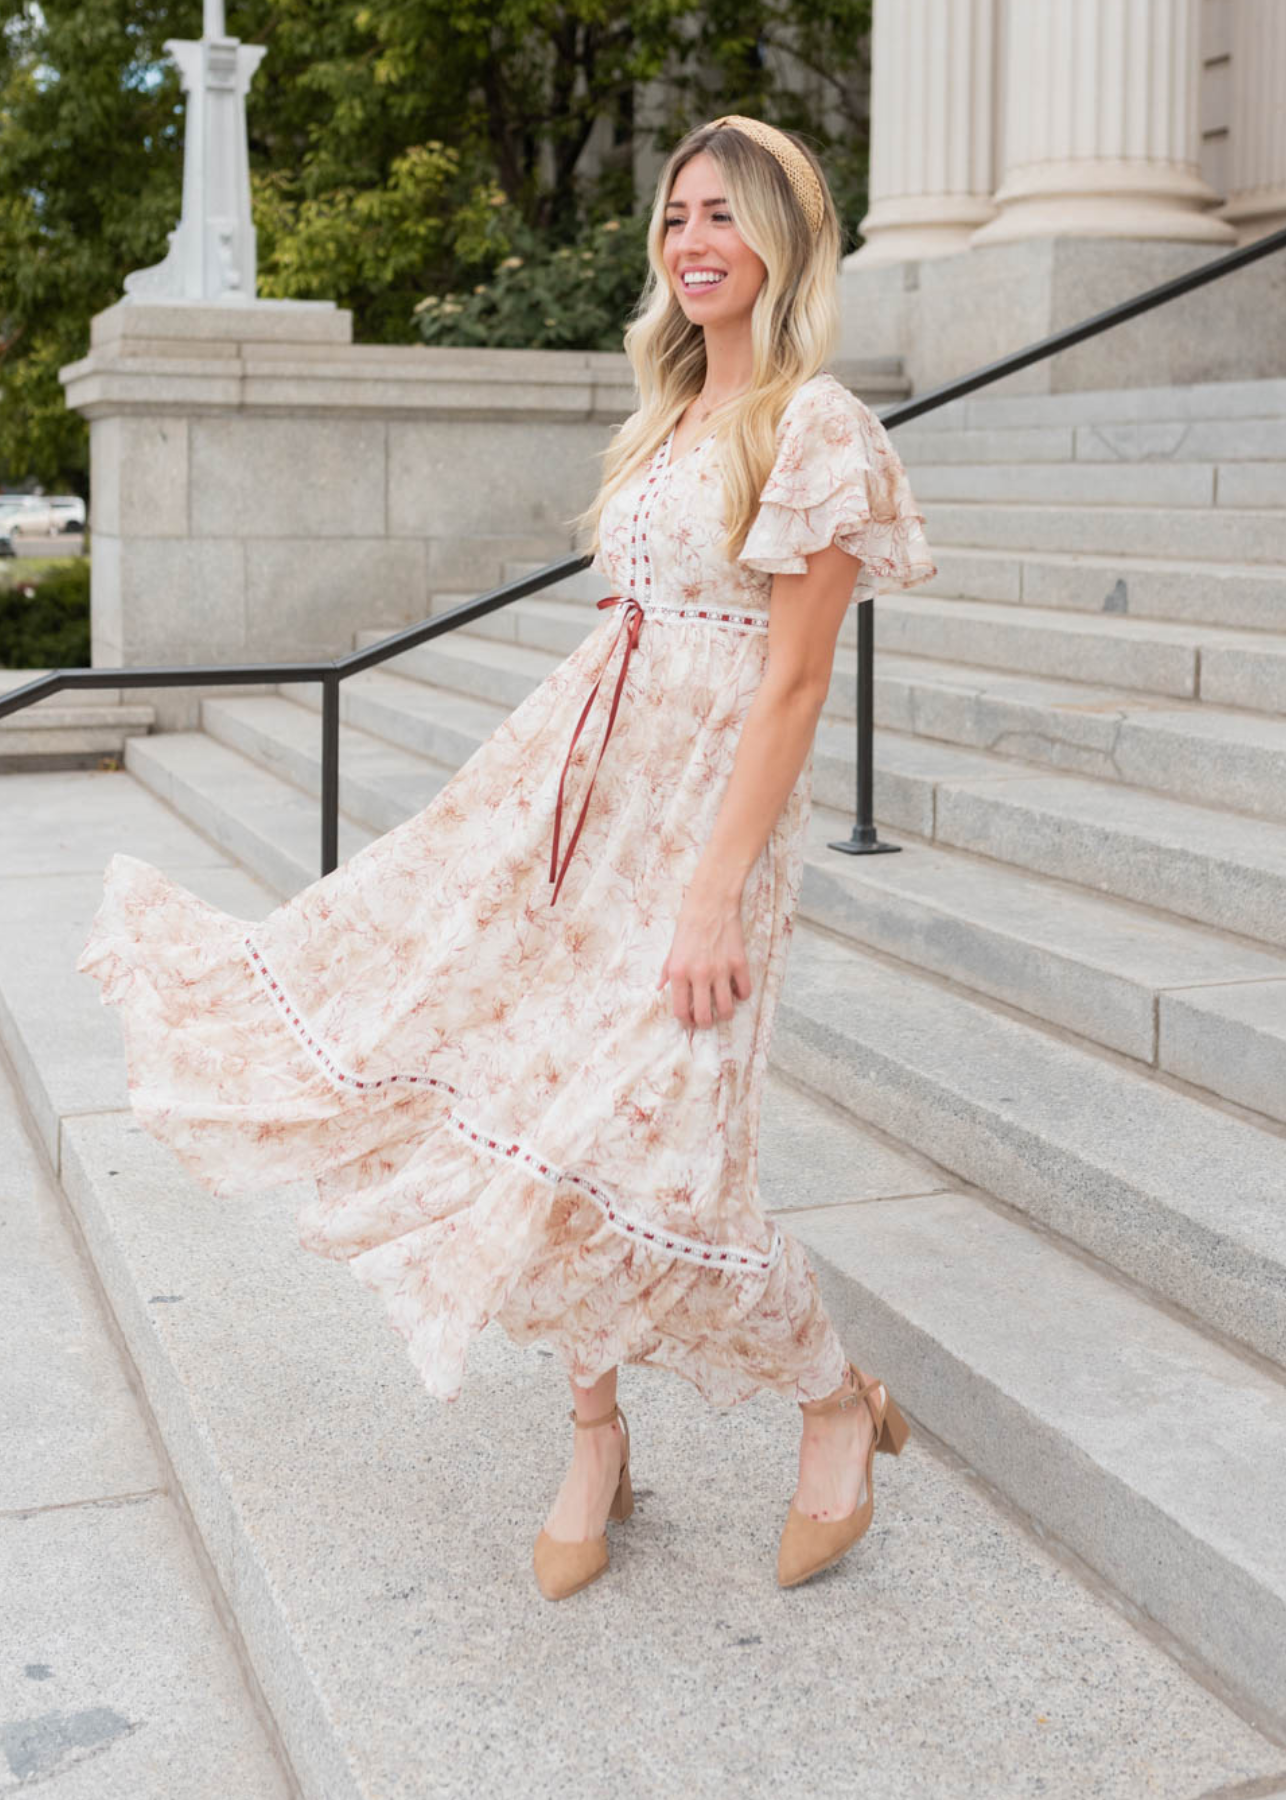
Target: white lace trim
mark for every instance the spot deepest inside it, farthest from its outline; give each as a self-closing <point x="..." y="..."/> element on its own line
<point x="511" y="1150"/>
<point x="743" y="621"/>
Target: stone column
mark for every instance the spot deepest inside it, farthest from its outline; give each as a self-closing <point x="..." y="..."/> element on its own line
<point x="1257" y="173"/>
<point x="931" y="129"/>
<point x="1101" y="129"/>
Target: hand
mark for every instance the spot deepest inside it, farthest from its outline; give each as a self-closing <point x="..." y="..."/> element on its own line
<point x="706" y="968"/>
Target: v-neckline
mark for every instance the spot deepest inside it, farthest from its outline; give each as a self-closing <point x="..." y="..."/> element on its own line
<point x="671" y="462"/>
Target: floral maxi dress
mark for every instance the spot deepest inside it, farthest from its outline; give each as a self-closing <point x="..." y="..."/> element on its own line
<point x="499" y="1113"/>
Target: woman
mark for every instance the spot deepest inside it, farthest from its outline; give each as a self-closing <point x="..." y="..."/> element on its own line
<point x="519" y="1042"/>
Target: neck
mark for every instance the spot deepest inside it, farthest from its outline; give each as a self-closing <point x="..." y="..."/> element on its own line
<point x="729" y="359"/>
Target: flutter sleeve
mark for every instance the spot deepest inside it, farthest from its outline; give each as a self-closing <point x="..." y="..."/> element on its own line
<point x="837" y="480"/>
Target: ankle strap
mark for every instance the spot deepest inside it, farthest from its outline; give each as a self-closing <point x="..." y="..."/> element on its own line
<point x="583" y="1424"/>
<point x="851" y="1397"/>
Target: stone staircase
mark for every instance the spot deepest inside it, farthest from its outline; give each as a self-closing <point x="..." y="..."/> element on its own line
<point x="70" y="730"/>
<point x="1065" y="999"/>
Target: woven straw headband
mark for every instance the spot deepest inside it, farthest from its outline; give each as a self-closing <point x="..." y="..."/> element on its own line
<point x="798" y="170"/>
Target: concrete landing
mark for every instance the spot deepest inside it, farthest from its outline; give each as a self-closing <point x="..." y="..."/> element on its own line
<point x="118" y="1681"/>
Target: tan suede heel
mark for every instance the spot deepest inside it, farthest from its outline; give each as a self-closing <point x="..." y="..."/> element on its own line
<point x="808" y="1545"/>
<point x="564" y="1568"/>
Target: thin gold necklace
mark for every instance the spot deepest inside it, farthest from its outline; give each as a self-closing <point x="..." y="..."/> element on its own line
<point x="703" y="412"/>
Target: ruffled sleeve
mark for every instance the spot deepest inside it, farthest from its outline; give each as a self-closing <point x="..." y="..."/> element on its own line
<point x="837" y="480"/>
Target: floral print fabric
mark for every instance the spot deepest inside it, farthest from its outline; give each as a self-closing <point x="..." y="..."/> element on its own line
<point x="500" y="1117"/>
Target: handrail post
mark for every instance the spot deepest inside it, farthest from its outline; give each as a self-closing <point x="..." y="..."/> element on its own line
<point x="330" y="772"/>
<point x="864" y="841"/>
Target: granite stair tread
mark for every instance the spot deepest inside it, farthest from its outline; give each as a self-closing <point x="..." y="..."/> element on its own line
<point x="1199" y="1003"/>
<point x="380" y="783"/>
<point x="267" y="823"/>
<point x="1133" y="1170"/>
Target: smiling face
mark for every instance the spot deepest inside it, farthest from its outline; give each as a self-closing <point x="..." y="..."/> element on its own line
<point x="701" y="242"/>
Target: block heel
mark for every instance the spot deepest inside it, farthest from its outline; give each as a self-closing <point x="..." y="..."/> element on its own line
<point x="894" y="1429"/>
<point x="623" y="1500"/>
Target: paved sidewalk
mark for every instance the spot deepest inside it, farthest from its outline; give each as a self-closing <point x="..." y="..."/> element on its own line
<point x="117" y="1680"/>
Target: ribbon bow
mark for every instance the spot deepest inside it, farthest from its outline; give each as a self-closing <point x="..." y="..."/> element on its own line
<point x="631" y="623"/>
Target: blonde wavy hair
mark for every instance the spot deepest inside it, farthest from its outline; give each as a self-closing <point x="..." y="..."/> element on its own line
<point x="794" y="325"/>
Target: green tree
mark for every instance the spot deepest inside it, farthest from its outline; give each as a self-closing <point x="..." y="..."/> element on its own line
<point x="400" y="150"/>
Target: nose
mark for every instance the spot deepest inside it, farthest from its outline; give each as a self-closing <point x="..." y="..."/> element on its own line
<point x="690" y="235"/>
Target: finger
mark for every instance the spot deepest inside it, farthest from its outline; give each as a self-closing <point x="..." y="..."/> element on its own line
<point x="724" y="1004"/>
<point x="741" y="978"/>
<point x="681" y="999"/>
<point x="702" y="1011"/>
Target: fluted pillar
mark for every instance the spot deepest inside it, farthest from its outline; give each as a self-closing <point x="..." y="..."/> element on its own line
<point x="1101" y="129"/>
<point x="932" y="104"/>
<point x="1257" y="139"/>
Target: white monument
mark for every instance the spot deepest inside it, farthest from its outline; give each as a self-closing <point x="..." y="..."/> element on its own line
<point x="212" y="249"/>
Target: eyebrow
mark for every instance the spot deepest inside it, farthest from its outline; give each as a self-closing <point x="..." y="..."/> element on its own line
<point x="719" y="200"/>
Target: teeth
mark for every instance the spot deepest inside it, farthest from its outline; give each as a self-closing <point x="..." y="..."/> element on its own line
<point x="701" y="280"/>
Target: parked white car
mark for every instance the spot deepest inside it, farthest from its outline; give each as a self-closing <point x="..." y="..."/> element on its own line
<point x="30" y="515"/>
<point x="69" y="511"/>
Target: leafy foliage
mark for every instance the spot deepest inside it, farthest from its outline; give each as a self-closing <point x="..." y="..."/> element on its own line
<point x="573" y="296"/>
<point x="44" y="614"/>
<point x="402" y="151"/>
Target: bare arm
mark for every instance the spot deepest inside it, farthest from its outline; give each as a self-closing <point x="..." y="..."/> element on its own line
<point x="706" y="966"/>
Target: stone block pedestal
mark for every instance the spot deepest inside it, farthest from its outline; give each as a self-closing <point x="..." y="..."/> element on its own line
<point x="946" y="315"/>
<point x="262" y="487"/>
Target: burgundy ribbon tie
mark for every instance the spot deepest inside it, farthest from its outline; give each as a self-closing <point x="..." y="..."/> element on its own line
<point x="631" y="623"/>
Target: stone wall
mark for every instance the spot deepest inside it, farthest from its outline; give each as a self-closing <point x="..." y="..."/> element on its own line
<point x="261" y="486"/>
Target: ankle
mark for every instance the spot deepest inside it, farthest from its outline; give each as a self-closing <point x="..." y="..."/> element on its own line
<point x="826" y="1407"/>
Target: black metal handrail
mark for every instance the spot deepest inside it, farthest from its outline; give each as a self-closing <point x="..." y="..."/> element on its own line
<point x="330" y="672"/>
<point x="863" y="840"/>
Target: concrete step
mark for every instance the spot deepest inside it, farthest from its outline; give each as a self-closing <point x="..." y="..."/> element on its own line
<point x="380" y="784"/>
<point x="1194" y="1003"/>
<point x="1125" y="409"/>
<point x="1202" y="754"/>
<point x="374" y="1635"/>
<point x="1251" y="484"/>
<point x="1198" y="754"/>
<point x="67" y="730"/>
<point x="499" y="672"/>
<point x="1220" y="869"/>
<point x="1157" y="1455"/>
<point x="268" y="825"/>
<point x="1236" y="593"/>
<point x="1229" y="668"/>
<point x="1222" y="442"/>
<point x="1197" y="1003"/>
<point x="1203" y="864"/>
<point x="439" y="726"/>
<point x="262" y="1361"/>
<point x="1176" y="1193"/>
<point x="1221" y="535"/>
<point x="1226" y="599"/>
<point x="127" y="1666"/>
<point x="1185" y="661"/>
<point x="1066" y="482"/>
